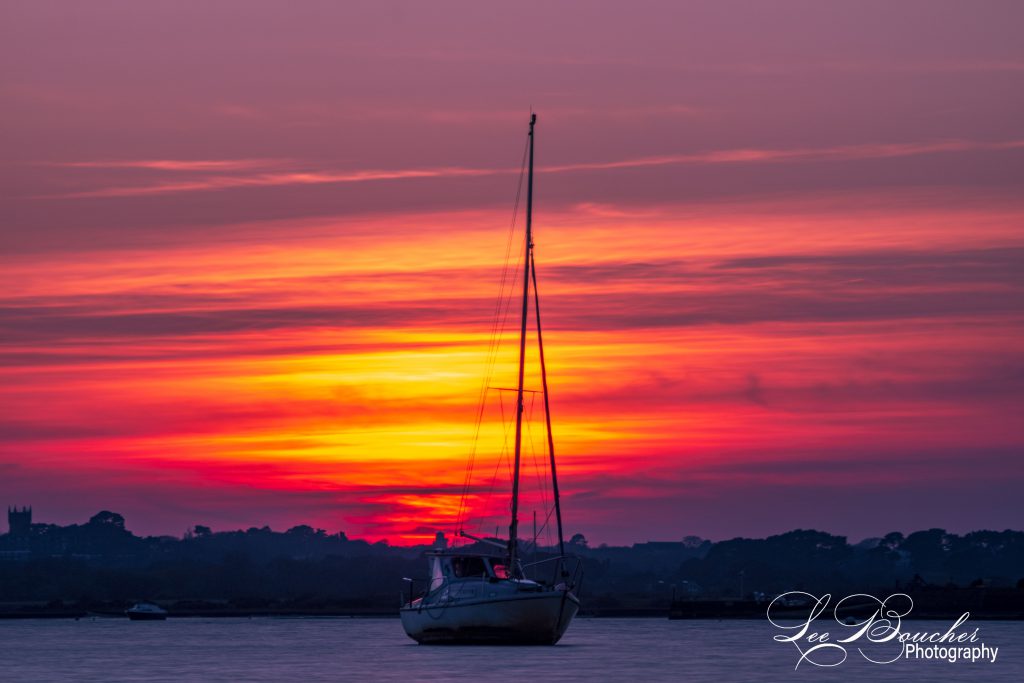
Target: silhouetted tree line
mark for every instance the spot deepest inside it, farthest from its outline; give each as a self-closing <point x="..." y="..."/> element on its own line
<point x="818" y="562"/>
<point x="101" y="564"/>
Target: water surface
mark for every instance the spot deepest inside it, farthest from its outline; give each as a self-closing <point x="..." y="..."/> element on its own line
<point x="280" y="649"/>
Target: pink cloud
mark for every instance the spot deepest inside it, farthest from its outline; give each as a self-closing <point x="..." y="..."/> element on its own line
<point x="185" y="165"/>
<point x="724" y="156"/>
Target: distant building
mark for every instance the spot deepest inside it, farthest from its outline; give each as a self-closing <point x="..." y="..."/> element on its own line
<point x="19" y="522"/>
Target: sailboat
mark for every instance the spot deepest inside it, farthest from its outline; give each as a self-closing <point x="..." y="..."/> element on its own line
<point x="490" y="596"/>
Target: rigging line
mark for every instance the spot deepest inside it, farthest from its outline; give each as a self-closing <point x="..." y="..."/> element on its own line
<point x="544" y="498"/>
<point x="502" y="402"/>
<point x="533" y="453"/>
<point x="486" y="503"/>
<point x="502" y="457"/>
<point x="490" y="492"/>
<point x="490" y="361"/>
<point x="494" y="341"/>
<point x="505" y="316"/>
<point x="547" y="405"/>
<point x="494" y="335"/>
<point x="547" y="519"/>
<point x="507" y="428"/>
<point x="536" y="467"/>
<point x="497" y="335"/>
<point x="508" y="252"/>
<point x="544" y="492"/>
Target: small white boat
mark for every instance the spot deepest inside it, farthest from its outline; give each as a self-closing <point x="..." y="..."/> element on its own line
<point x="146" y="611"/>
<point x="473" y="599"/>
<point x="479" y="597"/>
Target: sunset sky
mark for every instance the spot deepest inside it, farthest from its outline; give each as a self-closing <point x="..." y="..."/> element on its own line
<point x="250" y="253"/>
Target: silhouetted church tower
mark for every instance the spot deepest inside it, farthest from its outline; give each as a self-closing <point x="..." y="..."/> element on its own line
<point x="19" y="521"/>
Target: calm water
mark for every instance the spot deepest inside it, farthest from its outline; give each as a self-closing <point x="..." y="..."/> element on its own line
<point x="267" y="649"/>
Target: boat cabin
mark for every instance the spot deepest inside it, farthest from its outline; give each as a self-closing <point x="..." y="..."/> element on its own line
<point x="448" y="566"/>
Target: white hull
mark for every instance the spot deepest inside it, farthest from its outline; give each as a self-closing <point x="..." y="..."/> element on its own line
<point x="538" y="618"/>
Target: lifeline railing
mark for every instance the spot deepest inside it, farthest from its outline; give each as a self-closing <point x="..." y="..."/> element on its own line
<point x="565" y="570"/>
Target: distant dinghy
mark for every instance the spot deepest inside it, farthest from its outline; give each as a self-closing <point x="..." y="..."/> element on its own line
<point x="146" y="611"/>
<point x="481" y="597"/>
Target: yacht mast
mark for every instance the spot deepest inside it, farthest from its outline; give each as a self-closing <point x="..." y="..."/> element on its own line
<point x="513" y="531"/>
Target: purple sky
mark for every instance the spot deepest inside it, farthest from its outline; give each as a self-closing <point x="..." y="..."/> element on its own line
<point x="809" y="214"/>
